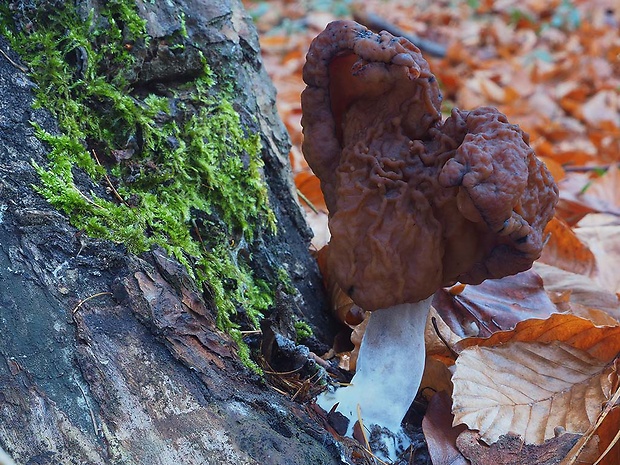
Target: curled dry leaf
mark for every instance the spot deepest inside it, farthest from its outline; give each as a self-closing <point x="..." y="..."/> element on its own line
<point x="566" y="251"/>
<point x="529" y="389"/>
<point x="440" y="434"/>
<point x="601" y="232"/>
<point x="602" y="342"/>
<point x="579" y="288"/>
<point x="510" y="450"/>
<point x="494" y="305"/>
<point x="608" y="433"/>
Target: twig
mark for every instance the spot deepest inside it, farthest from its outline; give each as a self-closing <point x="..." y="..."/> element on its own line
<point x="114" y="191"/>
<point x="307" y="201"/>
<point x="442" y="339"/>
<point x="92" y="202"/>
<point x="253" y="332"/>
<point x="586" y="169"/>
<point x="377" y="23"/>
<point x="21" y="68"/>
<point x="573" y="454"/>
<point x="82" y="302"/>
<point x="202" y="244"/>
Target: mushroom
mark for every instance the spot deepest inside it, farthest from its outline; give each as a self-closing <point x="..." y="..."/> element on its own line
<point x="415" y="203"/>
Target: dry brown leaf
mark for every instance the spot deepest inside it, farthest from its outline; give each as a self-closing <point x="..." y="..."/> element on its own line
<point x="598" y="193"/>
<point x="494" y="305"/>
<point x="529" y="388"/>
<point x="602" y="342"/>
<point x="510" y="450"/>
<point x="603" y="107"/>
<point x="340" y="304"/>
<point x="608" y="436"/>
<point x="437" y="377"/>
<point x="555" y="168"/>
<point x="566" y="251"/>
<point x="310" y="186"/>
<point x="590" y="438"/>
<point x="440" y="434"/>
<point x="581" y="289"/>
<point x="439" y="338"/>
<point x="602" y="234"/>
<point x="596" y="316"/>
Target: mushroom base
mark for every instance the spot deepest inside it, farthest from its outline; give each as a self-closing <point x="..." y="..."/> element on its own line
<point x="389" y="369"/>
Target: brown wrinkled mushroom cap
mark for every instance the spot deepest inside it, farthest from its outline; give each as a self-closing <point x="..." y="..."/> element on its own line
<point x="415" y="203"/>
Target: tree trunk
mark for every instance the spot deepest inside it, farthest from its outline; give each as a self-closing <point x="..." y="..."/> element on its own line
<point x="112" y="357"/>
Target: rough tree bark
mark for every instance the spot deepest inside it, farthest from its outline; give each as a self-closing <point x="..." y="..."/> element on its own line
<point x="108" y="357"/>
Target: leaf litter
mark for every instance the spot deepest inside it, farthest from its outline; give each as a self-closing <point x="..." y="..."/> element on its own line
<point x="553" y="67"/>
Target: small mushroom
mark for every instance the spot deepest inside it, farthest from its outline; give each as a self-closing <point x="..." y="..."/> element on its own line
<point x="415" y="203"/>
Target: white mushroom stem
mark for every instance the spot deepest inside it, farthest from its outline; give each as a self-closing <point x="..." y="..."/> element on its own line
<point x="389" y="368"/>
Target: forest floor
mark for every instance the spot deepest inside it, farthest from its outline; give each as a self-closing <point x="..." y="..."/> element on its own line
<point x="553" y="67"/>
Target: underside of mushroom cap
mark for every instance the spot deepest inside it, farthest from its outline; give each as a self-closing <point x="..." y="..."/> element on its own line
<point x="415" y="204"/>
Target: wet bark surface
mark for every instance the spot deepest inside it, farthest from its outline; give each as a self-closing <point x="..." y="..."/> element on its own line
<point x="107" y="357"/>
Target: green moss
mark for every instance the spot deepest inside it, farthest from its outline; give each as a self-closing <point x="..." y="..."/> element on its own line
<point x="302" y="331"/>
<point x="188" y="180"/>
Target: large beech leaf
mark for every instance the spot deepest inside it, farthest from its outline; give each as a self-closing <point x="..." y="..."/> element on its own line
<point x="529" y="388"/>
<point x="602" y="342"/>
<point x="494" y="305"/>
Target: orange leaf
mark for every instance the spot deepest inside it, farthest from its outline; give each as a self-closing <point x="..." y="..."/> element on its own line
<point x="310" y="186"/>
<point x="554" y="167"/>
<point x="608" y="433"/>
<point x="602" y="342"/>
<point x="566" y="251"/>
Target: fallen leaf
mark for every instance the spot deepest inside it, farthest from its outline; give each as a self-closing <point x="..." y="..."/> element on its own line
<point x="596" y="316"/>
<point x="565" y="250"/>
<point x="602" y="342"/>
<point x="440" y="434"/>
<point x="555" y="168"/>
<point x="437" y="377"/>
<point x="608" y="434"/>
<point x="529" y="388"/>
<point x="601" y="233"/>
<point x="310" y="186"/>
<point x="599" y="193"/>
<point x="581" y="289"/>
<point x="603" y="107"/>
<point x="602" y="425"/>
<point x="510" y="450"/>
<point x="494" y="305"/>
<point x="439" y="338"/>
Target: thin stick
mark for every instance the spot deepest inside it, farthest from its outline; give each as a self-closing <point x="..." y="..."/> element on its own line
<point x="609" y="447"/>
<point x="362" y="429"/>
<point x="573" y="454"/>
<point x="585" y="169"/>
<point x="199" y="236"/>
<point x="21" y="68"/>
<point x="307" y="201"/>
<point x="87" y="199"/>
<point x="114" y="191"/>
<point x="442" y="339"/>
<point x="377" y="23"/>
<point x="82" y="302"/>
